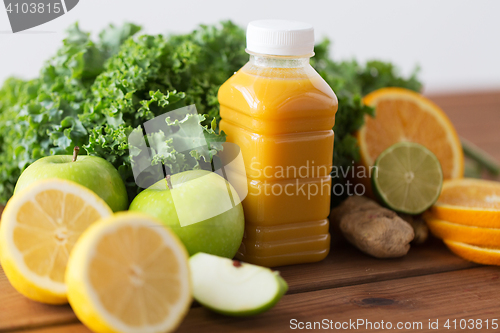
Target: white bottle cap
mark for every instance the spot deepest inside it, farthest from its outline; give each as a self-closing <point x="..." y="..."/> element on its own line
<point x="280" y="37"/>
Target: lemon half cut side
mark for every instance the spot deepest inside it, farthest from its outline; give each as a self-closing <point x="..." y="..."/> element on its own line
<point x="39" y="227"/>
<point x="129" y="274"/>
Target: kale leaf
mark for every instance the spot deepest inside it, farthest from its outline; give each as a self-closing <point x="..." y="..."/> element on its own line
<point x="95" y="93"/>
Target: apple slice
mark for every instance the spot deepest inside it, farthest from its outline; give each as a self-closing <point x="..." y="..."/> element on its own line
<point x="233" y="288"/>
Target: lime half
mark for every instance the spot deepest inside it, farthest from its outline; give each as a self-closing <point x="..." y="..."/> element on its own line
<point x="407" y="178"/>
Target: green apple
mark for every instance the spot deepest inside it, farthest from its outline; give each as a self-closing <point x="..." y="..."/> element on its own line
<point x="201" y="207"/>
<point x="233" y="288"/>
<point x="93" y="172"/>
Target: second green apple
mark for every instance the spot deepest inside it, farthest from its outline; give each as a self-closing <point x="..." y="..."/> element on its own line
<point x="201" y="207"/>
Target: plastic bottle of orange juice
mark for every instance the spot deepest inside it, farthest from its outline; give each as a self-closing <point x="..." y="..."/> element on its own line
<point x="280" y="112"/>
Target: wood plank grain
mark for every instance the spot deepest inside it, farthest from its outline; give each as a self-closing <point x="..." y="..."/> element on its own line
<point x="17" y="311"/>
<point x="476" y="117"/>
<point x="465" y="294"/>
<point x="471" y="293"/>
<point x="470" y="115"/>
<point x="338" y="270"/>
<point x="456" y="100"/>
<point x="329" y="288"/>
<point x="70" y="328"/>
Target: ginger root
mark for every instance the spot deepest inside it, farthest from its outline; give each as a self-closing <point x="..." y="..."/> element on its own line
<point x="375" y="230"/>
<point x="419" y="227"/>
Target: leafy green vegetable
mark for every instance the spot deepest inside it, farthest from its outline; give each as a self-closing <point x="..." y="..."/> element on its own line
<point x="96" y="93"/>
<point x="40" y="117"/>
<point x="151" y="75"/>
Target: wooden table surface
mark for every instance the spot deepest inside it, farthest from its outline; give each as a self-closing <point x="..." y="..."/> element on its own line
<point x="429" y="283"/>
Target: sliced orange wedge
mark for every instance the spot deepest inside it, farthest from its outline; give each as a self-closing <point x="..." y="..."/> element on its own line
<point x="403" y="115"/>
<point x="462" y="233"/>
<point x="471" y="202"/>
<point x="480" y="255"/>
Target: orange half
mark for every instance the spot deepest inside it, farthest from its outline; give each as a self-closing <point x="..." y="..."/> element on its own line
<point x="403" y="115"/>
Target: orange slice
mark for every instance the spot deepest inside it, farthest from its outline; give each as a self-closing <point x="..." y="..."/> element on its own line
<point x="480" y="255"/>
<point x="462" y="233"/>
<point x="403" y="115"/>
<point x="471" y="202"/>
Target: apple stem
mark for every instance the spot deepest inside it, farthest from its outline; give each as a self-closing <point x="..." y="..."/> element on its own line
<point x="75" y="153"/>
<point x="236" y="263"/>
<point x="169" y="182"/>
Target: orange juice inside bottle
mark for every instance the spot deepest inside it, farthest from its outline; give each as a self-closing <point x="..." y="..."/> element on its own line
<point x="280" y="112"/>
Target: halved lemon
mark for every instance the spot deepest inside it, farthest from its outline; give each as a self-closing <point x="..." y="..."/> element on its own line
<point x="477" y="254"/>
<point x="462" y="233"/>
<point x="129" y="274"/>
<point x="473" y="202"/>
<point x="403" y="115"/>
<point x="39" y="228"/>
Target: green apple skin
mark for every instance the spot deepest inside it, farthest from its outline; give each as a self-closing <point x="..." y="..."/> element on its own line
<point x="207" y="263"/>
<point x="282" y="291"/>
<point x="95" y="173"/>
<point x="220" y="235"/>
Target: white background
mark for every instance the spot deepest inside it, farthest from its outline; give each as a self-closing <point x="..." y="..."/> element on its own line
<point x="456" y="43"/>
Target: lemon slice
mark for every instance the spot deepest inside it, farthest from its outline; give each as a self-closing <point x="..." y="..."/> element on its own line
<point x="129" y="274"/>
<point x="39" y="227"/>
